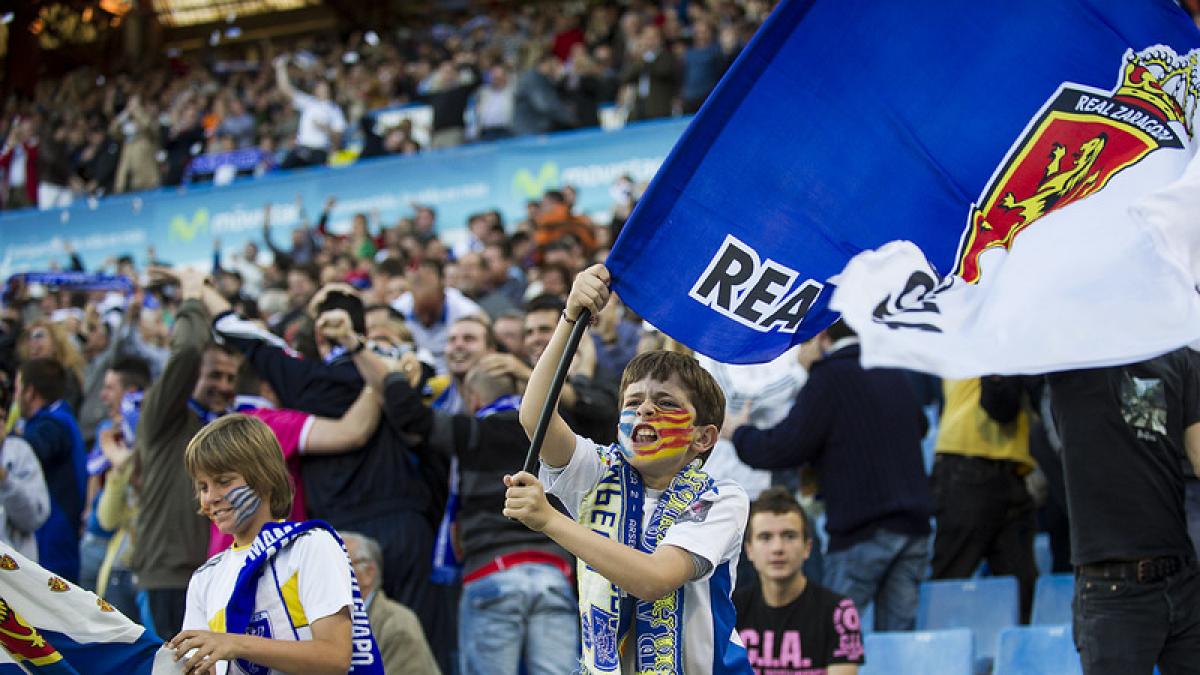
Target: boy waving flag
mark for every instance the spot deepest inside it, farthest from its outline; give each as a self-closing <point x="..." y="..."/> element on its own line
<point x="657" y="539"/>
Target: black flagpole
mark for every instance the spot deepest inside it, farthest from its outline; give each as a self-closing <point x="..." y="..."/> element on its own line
<point x="560" y="376"/>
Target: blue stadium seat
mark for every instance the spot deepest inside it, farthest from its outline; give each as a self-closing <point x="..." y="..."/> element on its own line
<point x="986" y="605"/>
<point x="1042" y="553"/>
<point x="945" y="652"/>
<point x="1037" y="650"/>
<point x="1052" y="599"/>
<point x="867" y="619"/>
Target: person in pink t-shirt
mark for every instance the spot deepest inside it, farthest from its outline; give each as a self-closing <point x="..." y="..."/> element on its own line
<point x="301" y="433"/>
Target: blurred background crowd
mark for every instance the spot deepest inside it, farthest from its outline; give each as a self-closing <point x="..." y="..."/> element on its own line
<point x="485" y="73"/>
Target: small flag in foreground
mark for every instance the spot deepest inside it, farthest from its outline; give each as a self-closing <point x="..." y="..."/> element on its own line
<point x="48" y="625"/>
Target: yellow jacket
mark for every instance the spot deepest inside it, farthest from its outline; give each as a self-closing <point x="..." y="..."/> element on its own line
<point x="966" y="429"/>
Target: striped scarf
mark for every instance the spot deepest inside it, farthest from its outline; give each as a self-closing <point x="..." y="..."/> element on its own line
<point x="273" y="538"/>
<point x="608" y="615"/>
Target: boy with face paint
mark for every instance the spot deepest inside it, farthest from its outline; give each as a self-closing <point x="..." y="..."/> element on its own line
<point x="284" y="597"/>
<point x="657" y="539"/>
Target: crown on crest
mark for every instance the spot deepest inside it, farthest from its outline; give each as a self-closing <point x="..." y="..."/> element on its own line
<point x="1163" y="80"/>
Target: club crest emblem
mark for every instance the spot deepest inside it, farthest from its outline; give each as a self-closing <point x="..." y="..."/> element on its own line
<point x="1078" y="142"/>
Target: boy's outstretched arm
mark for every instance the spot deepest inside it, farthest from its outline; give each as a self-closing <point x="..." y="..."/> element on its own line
<point x="590" y="291"/>
<point x="647" y="576"/>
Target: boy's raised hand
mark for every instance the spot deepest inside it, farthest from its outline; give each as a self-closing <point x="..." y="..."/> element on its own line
<point x="590" y="291"/>
<point x="526" y="501"/>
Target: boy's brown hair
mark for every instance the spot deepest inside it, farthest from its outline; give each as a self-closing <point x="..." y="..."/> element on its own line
<point x="702" y="390"/>
<point x="246" y="446"/>
<point x="778" y="500"/>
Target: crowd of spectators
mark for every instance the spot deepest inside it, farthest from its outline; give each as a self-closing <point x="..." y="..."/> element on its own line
<point x="245" y="110"/>
<point x="474" y="319"/>
<point x="129" y="374"/>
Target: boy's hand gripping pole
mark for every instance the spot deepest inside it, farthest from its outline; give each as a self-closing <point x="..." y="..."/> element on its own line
<point x="560" y="376"/>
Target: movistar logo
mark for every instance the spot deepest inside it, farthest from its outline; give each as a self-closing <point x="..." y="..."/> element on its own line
<point x="530" y="186"/>
<point x="185" y="231"/>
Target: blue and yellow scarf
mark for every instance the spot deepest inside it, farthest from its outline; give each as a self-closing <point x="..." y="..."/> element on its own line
<point x="608" y="615"/>
<point x="273" y="538"/>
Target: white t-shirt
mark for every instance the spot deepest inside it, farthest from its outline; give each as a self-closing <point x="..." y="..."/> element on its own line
<point x="307" y="581"/>
<point x="713" y="532"/>
<point x="314" y="112"/>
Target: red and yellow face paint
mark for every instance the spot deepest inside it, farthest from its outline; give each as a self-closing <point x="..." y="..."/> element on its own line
<point x="661" y="434"/>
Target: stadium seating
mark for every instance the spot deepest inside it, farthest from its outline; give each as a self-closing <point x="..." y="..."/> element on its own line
<point x="1042" y="553"/>
<point x="1036" y="650"/>
<point x="986" y="605"/>
<point x="944" y="652"/>
<point x="1052" y="599"/>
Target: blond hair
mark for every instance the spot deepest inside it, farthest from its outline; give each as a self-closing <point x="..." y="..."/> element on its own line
<point x="246" y="446"/>
<point x="66" y="352"/>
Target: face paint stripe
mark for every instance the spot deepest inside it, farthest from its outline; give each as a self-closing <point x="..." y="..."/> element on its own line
<point x="672" y="429"/>
<point x="245" y="502"/>
<point x="237" y="496"/>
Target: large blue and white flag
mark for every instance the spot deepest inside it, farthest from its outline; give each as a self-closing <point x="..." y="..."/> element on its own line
<point x="1007" y="142"/>
<point x="49" y="625"/>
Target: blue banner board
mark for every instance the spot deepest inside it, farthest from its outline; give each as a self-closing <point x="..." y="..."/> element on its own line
<point x="181" y="224"/>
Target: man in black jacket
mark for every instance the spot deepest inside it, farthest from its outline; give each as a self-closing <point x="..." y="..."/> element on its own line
<point x="654" y="78"/>
<point x="861" y="430"/>
<point x="531" y="605"/>
<point x="382" y="490"/>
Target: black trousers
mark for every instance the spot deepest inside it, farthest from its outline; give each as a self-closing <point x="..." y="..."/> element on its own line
<point x="984" y="512"/>
<point x="1123" y="627"/>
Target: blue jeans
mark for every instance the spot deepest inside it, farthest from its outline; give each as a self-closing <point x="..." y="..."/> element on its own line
<point x="92" y="549"/>
<point x="122" y="592"/>
<point x="525" y="615"/>
<point x="885" y="569"/>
